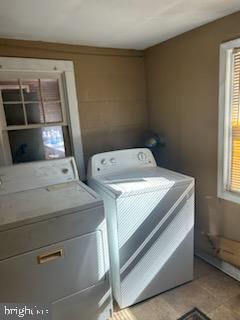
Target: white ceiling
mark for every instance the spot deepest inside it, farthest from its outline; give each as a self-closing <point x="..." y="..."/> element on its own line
<point x="135" y="24"/>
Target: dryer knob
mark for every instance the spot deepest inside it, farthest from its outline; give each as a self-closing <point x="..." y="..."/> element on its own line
<point x="141" y="156"/>
<point x="113" y="160"/>
<point x="103" y="162"/>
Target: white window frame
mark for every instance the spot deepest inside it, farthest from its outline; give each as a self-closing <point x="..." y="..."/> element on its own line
<point x="66" y="70"/>
<point x="224" y="120"/>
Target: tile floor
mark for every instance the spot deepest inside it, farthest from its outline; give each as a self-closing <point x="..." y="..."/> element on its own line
<point x="213" y="292"/>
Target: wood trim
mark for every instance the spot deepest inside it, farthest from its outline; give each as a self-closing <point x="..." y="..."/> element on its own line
<point x="64" y="69"/>
<point x="35" y="126"/>
<point x="69" y="48"/>
<point x="224" y="128"/>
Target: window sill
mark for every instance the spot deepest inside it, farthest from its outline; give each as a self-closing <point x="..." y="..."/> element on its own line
<point x="229" y="196"/>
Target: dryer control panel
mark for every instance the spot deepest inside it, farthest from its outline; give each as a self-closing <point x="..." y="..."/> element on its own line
<point x="116" y="161"/>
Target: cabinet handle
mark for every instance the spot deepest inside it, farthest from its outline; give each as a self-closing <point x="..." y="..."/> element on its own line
<point x="50" y="256"/>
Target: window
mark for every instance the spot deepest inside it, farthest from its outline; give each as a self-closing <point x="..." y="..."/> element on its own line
<point x="38" y="111"/>
<point x="229" y="122"/>
<point x="34" y="119"/>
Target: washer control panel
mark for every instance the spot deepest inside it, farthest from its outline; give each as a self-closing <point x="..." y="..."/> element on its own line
<point x="115" y="161"/>
<point x="32" y="175"/>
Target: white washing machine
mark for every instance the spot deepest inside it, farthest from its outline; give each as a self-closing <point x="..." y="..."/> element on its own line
<point x="53" y="244"/>
<point x="150" y="220"/>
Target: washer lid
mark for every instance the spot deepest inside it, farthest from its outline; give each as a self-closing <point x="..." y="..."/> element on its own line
<point x="43" y="203"/>
<point x="137" y="181"/>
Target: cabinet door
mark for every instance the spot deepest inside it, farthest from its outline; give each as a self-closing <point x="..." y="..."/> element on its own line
<point x="53" y="272"/>
<point x="91" y="304"/>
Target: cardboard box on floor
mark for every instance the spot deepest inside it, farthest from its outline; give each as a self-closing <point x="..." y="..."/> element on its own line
<point x="226" y="249"/>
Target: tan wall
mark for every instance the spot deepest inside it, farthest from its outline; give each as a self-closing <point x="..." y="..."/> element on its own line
<point x="182" y="85"/>
<point x="110" y="86"/>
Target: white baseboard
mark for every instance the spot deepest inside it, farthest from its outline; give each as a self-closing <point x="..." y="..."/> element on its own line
<point x="226" y="267"/>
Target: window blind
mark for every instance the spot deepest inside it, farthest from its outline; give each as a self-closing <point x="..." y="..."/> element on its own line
<point x="235" y="150"/>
